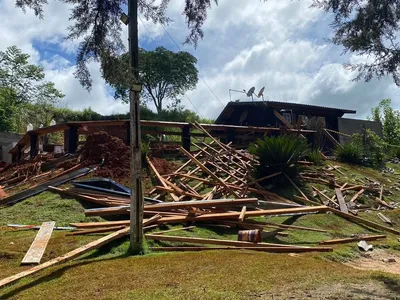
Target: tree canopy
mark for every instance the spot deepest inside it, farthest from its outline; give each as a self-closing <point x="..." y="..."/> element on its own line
<point x="97" y="23"/>
<point x="165" y="75"/>
<point x="21" y="86"/>
<point x="390" y="120"/>
<point x="368" y="28"/>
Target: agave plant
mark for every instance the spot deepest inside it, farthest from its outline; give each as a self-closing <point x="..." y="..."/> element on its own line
<point x="279" y="154"/>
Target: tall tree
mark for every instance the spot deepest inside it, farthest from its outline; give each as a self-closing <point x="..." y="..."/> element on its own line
<point x="22" y="85"/>
<point x="165" y="75"/>
<point x="368" y="28"/>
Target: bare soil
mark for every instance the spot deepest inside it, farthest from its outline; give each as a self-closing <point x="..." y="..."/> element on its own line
<point x="376" y="260"/>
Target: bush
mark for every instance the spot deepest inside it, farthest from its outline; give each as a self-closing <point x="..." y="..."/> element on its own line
<point x="373" y="148"/>
<point x="349" y="153"/>
<point x="279" y="154"/>
<point x="315" y="157"/>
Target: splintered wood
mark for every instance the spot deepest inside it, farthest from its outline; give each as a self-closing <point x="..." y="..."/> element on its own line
<point x="215" y="171"/>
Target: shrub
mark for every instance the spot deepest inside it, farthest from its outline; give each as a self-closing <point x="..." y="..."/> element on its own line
<point x="279" y="154"/>
<point x="373" y="148"/>
<point x="315" y="157"/>
<point x="349" y="153"/>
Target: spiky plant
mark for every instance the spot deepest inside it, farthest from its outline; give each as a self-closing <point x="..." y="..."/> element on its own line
<point x="279" y="154"/>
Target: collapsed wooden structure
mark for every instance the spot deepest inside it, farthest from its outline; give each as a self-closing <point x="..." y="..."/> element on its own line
<point x="120" y="128"/>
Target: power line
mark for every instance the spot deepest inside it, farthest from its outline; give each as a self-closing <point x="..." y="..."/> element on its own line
<point x="177" y="46"/>
<point x="194" y="106"/>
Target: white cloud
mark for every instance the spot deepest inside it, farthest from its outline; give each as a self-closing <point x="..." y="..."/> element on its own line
<point x="277" y="44"/>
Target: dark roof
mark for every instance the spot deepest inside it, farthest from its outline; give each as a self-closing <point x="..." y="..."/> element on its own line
<point x="281" y="105"/>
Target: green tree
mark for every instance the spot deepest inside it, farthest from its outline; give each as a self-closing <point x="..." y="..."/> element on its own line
<point x="165" y="75"/>
<point x="390" y="120"/>
<point x="369" y="28"/>
<point x="24" y="95"/>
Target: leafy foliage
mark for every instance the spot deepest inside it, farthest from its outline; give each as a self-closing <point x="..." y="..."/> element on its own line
<point x="279" y="154"/>
<point x="97" y="23"/>
<point x="390" y="120"/>
<point x="165" y="75"/>
<point x="24" y="95"/>
<point x="367" y="28"/>
<point x="350" y="153"/>
<point x="364" y="148"/>
<point x="315" y="157"/>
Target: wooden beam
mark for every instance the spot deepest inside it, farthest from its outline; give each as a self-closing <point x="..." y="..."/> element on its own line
<point x="359" y="193"/>
<point x="99" y="230"/>
<point x="160" y="178"/>
<point x="242" y="214"/>
<point x="353" y="239"/>
<point x="331" y="138"/>
<point x="342" y="204"/>
<point x="363" y="221"/>
<point x="37" y="248"/>
<point x="173" y="230"/>
<point x="218" y="242"/>
<point x="283" y="120"/>
<point x="66" y="257"/>
<point x="271" y="249"/>
<point x="209" y="172"/>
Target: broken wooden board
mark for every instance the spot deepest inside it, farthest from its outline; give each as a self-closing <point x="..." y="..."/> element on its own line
<point x="74" y="253"/>
<point x="353" y="239"/>
<point x="363" y="221"/>
<point x="230" y="243"/>
<point x="37" y="248"/>
<point x="262" y="249"/>
<point x="342" y="204"/>
<point x="384" y="218"/>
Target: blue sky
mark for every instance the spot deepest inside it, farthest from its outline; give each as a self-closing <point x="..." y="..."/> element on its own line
<point x="279" y="44"/>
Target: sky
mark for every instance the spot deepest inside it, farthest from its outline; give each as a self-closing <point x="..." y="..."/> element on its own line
<point x="279" y="44"/>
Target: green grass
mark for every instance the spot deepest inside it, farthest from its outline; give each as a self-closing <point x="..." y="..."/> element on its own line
<point x="204" y="275"/>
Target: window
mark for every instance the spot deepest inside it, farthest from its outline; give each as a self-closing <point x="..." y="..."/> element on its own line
<point x="288" y="117"/>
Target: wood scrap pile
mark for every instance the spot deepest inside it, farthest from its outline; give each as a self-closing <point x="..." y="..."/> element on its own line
<point x="216" y="170"/>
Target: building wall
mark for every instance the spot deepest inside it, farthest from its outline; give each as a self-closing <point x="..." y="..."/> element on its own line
<point x="352" y="126"/>
<point x="4" y="155"/>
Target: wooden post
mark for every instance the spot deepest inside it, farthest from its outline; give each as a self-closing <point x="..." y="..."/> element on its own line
<point x="128" y="133"/>
<point x="136" y="212"/>
<point x="66" y="140"/>
<point x="186" y="137"/>
<point x="33" y="138"/>
<point x="72" y="139"/>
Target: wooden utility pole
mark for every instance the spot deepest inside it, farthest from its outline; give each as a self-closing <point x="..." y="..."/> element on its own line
<point x="136" y="209"/>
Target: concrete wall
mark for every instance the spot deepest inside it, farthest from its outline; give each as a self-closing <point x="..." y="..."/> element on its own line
<point x="4" y="155"/>
<point x="8" y="138"/>
<point x="352" y="126"/>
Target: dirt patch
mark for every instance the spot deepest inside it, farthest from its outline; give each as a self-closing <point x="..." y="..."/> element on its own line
<point x="163" y="166"/>
<point x="366" y="290"/>
<point x="116" y="155"/>
<point x="377" y="260"/>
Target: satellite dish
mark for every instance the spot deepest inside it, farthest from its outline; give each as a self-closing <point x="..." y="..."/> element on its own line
<point x="261" y="92"/>
<point x="251" y="91"/>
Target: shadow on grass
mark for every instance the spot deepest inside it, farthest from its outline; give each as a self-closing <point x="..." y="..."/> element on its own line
<point x="391" y="282"/>
<point x="92" y="258"/>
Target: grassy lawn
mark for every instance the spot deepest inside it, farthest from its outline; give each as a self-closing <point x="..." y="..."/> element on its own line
<point x="110" y="273"/>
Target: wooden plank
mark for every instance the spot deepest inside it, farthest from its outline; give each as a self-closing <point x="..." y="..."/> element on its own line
<point x="359" y="193"/>
<point x="218" y="242"/>
<point x="331" y="138"/>
<point x="384" y="218"/>
<point x="323" y="195"/>
<point x="160" y="178"/>
<point x="235" y="215"/>
<point x="352" y="188"/>
<point x="99" y="230"/>
<point x="209" y="172"/>
<point x="262" y="249"/>
<point x="296" y="187"/>
<point x="173" y="230"/>
<point x="342" y="204"/>
<point x="283" y="120"/>
<point x="242" y="214"/>
<point x="363" y="221"/>
<point x="66" y="257"/>
<point x="353" y="239"/>
<point x="37" y="248"/>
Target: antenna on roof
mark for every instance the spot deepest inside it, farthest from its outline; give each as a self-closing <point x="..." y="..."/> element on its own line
<point x="261" y="93"/>
<point x="251" y="92"/>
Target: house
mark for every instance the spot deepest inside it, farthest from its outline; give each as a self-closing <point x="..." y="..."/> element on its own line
<point x="313" y="117"/>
